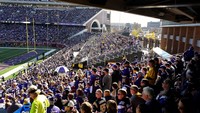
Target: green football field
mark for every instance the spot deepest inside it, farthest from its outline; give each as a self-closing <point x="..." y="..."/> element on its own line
<point x="11" y="52"/>
<point x="7" y="53"/>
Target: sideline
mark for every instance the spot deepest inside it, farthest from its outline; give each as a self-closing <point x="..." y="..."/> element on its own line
<point x="25" y="65"/>
<point x="25" y="48"/>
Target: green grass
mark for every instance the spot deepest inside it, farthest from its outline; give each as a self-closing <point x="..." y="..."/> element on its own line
<point x="8" y="69"/>
<point x="11" y="76"/>
<point x="10" y="53"/>
<point x="15" y="74"/>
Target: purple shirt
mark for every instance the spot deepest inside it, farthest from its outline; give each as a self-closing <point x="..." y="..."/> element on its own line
<point x="53" y="109"/>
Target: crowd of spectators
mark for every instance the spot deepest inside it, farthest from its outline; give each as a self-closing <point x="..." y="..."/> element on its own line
<point x="155" y="85"/>
<point x="102" y="44"/>
<point x="72" y="15"/>
<point x="46" y="26"/>
<point x="148" y="86"/>
<point x="65" y="55"/>
<point x="41" y="33"/>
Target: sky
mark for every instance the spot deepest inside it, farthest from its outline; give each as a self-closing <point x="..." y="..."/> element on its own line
<point x="121" y="17"/>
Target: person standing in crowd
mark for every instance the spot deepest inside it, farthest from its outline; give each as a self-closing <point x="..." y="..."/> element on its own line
<point x="143" y="83"/>
<point x="86" y="107"/>
<point x="134" y="75"/>
<point x="185" y="105"/>
<point x="161" y="76"/>
<point x="144" y="70"/>
<point x="151" y="74"/>
<point x="135" y="98"/>
<point x="25" y="108"/>
<point x="40" y="102"/>
<point x="188" y="54"/>
<point x="69" y="107"/>
<point x="179" y="65"/>
<point x="142" y="108"/>
<point x="115" y="89"/>
<point x="88" y="72"/>
<point x="14" y="105"/>
<point x="122" y="101"/>
<point x="166" y="97"/>
<point x="111" y="106"/>
<point x="138" y="78"/>
<point x="126" y="73"/>
<point x="14" y="90"/>
<point x="119" y="68"/>
<point x="107" y="95"/>
<point x="58" y="100"/>
<point x="52" y="108"/>
<point x="116" y="75"/>
<point x="94" y="85"/>
<point x="101" y="74"/>
<point x="2" y="106"/>
<point x="100" y="104"/>
<point x="107" y="80"/>
<point x="79" y="97"/>
<point x="2" y="90"/>
<point x="152" y="104"/>
<point x="157" y="64"/>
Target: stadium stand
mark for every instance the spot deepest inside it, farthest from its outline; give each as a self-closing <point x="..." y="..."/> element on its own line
<point x="43" y="15"/>
<point x="49" y="26"/>
<point x="151" y="85"/>
<point x="170" y="90"/>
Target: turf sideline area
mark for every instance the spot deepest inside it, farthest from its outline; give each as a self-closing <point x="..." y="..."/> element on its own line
<point x="6" y="70"/>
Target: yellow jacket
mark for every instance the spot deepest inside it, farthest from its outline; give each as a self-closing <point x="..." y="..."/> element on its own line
<point x="40" y="104"/>
<point x="151" y="76"/>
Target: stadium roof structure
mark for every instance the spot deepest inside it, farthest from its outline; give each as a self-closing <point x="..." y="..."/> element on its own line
<point x="182" y="11"/>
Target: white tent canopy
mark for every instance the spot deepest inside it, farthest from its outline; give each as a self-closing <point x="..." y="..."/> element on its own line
<point x="163" y="54"/>
<point x="62" y="69"/>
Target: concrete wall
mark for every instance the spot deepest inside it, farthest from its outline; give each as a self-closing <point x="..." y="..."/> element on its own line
<point x="101" y="18"/>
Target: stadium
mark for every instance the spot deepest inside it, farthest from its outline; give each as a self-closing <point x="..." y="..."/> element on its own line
<point x="65" y="57"/>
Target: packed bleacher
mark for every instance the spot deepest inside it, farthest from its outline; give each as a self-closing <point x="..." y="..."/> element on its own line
<point x="41" y="25"/>
<point x="150" y="85"/>
<point x="155" y="85"/>
<point x="40" y="15"/>
<point x="43" y="33"/>
<point x="103" y="44"/>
